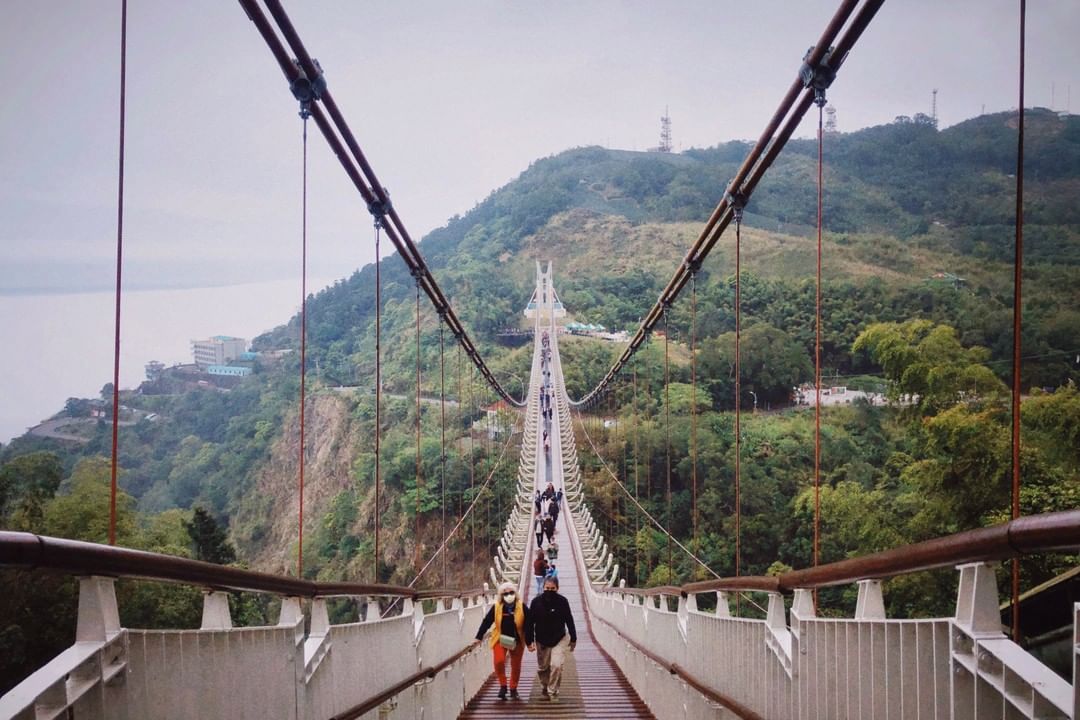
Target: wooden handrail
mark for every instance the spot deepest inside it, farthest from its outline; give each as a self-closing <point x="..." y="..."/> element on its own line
<point x="27" y="550"/>
<point x="1026" y="535"/>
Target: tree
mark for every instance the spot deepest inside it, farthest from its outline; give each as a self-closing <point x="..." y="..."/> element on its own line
<point x="77" y="407"/>
<point x="27" y="482"/>
<point x="771" y="364"/>
<point x="209" y="542"/>
<point x="83" y="513"/>
<point x="926" y="362"/>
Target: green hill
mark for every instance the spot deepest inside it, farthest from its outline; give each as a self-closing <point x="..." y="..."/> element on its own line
<point x="904" y="203"/>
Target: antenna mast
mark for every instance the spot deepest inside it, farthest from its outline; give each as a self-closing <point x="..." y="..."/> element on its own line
<point x="665" y="132"/>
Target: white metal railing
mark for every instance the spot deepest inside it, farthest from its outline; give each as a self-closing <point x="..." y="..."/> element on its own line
<point x="220" y="671"/>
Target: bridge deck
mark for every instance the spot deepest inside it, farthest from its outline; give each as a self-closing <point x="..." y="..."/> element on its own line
<point x="592" y="685"/>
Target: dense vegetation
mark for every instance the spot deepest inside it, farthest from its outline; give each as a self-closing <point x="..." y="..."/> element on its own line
<point x="917" y="301"/>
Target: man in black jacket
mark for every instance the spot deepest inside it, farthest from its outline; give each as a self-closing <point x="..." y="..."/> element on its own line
<point x="551" y="620"/>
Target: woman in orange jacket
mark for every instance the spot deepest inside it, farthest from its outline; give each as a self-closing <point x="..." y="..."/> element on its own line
<point x="511" y="635"/>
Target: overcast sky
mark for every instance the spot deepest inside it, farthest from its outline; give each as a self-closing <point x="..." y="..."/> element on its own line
<point x="449" y="100"/>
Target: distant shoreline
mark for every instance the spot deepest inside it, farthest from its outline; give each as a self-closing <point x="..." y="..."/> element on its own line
<point x="32" y="291"/>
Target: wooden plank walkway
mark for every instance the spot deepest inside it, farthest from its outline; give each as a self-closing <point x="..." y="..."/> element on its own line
<point x="592" y="685"/>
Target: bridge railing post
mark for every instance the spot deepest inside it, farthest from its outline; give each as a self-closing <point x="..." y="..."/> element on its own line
<point x="215" y="613"/>
<point x="870" y="604"/>
<point x="98" y="616"/>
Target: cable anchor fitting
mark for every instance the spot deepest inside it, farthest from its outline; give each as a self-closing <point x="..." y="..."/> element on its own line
<point x="820" y="77"/>
<point x="737" y="202"/>
<point x="306" y="90"/>
<point x="379" y="209"/>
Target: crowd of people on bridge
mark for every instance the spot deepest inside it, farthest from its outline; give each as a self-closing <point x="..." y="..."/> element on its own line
<point x="546" y="625"/>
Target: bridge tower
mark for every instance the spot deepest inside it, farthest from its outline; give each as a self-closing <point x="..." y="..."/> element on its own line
<point x="544" y="300"/>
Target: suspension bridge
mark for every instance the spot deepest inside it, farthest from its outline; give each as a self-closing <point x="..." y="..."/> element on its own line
<point x="667" y="652"/>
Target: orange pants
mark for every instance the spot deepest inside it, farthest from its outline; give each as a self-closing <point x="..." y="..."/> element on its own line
<point x="499" y="654"/>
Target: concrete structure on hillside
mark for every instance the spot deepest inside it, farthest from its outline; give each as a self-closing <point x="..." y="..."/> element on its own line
<point x="217" y="350"/>
<point x="228" y="370"/>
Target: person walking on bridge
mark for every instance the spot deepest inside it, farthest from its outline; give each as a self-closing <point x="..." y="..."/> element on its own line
<point x="555" y="634"/>
<point x="540" y="567"/>
<point x="512" y="634"/>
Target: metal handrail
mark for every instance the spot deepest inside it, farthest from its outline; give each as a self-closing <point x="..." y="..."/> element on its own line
<point x="422" y="674"/>
<point x="740" y="710"/>
<point x="1047" y="532"/>
<point x="30" y="551"/>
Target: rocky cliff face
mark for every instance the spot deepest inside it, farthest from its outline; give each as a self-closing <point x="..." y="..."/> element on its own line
<point x="266" y="530"/>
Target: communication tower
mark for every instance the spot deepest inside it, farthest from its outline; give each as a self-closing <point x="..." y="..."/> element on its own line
<point x="665" y="132"/>
<point x="830" y="119"/>
<point x="933" y="106"/>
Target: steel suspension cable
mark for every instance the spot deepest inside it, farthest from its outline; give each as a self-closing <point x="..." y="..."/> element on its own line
<point x="419" y="478"/>
<point x="648" y="488"/>
<point x="442" y="438"/>
<point x="305" y="71"/>
<point x="303" y="342"/>
<point x="637" y="468"/>
<point x="460" y="405"/>
<point x="615" y="456"/>
<point x="667" y="430"/>
<point x="693" y="408"/>
<point x="378" y="389"/>
<point x="820" y="102"/>
<point x="472" y="459"/>
<point x="822" y="56"/>
<point x="119" y="276"/>
<point x="1018" y="279"/>
<point x="738" y="390"/>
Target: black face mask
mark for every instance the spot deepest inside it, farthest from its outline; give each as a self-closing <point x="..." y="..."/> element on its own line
<point x="550" y="593"/>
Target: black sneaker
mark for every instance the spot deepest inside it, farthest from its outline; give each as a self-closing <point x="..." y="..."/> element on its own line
<point x="514" y="695"/>
<point x="502" y="692"/>
<point x="544" y="692"/>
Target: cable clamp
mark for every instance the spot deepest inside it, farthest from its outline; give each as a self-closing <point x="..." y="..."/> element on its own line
<point x="737" y="202"/>
<point x="307" y="90"/>
<point x="379" y="209"/>
<point x="818" y="78"/>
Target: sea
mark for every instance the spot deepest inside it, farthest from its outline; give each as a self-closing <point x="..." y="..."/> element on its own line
<point x="61" y="345"/>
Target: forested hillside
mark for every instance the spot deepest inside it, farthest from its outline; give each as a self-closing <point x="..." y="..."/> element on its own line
<point x="917" y="302"/>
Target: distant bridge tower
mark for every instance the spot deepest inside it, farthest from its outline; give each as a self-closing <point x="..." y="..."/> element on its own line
<point x="545" y="300"/>
<point x="830" y="119"/>
<point x="665" y="132"/>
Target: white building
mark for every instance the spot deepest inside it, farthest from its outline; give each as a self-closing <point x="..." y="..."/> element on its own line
<point x="218" y="350"/>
